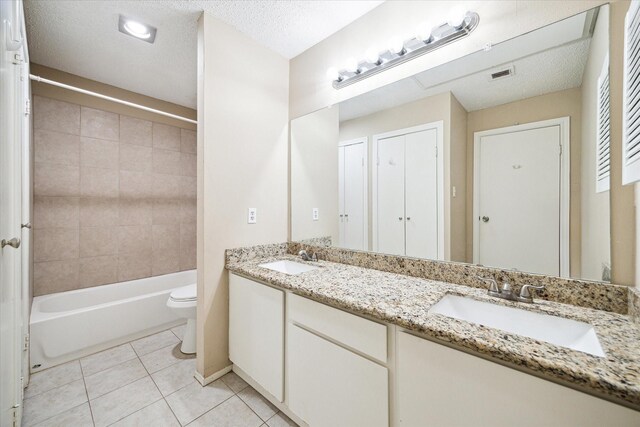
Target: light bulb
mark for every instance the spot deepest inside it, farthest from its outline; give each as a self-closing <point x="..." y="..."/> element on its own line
<point x="396" y="45"/>
<point x="137" y="29"/>
<point x="373" y="55"/>
<point x="333" y="74"/>
<point x="351" y="65"/>
<point x="423" y="32"/>
<point x="456" y="16"/>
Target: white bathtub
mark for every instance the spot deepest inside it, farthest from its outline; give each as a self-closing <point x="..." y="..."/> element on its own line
<point x="68" y="325"/>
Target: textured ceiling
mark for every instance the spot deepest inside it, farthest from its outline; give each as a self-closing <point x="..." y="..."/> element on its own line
<point x="547" y="60"/>
<point x="81" y="37"/>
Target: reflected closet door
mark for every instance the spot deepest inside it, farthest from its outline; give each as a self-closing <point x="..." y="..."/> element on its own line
<point x="390" y="200"/>
<point x="354" y="188"/>
<point x="421" y="194"/>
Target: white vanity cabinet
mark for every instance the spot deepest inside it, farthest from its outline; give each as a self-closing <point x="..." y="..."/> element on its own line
<point x="256" y="332"/>
<point x="329" y="385"/>
<point x="440" y="386"/>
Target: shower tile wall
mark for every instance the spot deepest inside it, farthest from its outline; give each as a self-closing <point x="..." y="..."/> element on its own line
<point x="114" y="197"/>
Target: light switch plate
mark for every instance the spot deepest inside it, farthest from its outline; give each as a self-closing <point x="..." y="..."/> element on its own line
<point x="315" y="214"/>
<point x="252" y="215"/>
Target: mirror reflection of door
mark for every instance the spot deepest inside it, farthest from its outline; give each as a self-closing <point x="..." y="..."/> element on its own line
<point x="352" y="194"/>
<point x="519" y="190"/>
<point x="406" y="192"/>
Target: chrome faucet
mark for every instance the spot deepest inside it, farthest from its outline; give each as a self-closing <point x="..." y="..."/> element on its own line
<point x="305" y="256"/>
<point x="507" y="293"/>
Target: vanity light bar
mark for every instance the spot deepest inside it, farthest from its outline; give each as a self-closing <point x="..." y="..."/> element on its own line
<point x="400" y="52"/>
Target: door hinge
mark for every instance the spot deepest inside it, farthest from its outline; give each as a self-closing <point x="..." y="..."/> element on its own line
<point x="560" y="149"/>
<point x="378" y="161"/>
<point x="27" y="107"/>
<point x="17" y="59"/>
<point x="436" y="151"/>
<point x="25" y="346"/>
<point x="15" y="414"/>
<point x="363" y="161"/>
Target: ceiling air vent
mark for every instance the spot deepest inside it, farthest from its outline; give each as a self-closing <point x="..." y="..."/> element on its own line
<point x="502" y="73"/>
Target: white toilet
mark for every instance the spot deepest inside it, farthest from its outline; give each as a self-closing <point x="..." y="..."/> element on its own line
<point x="183" y="303"/>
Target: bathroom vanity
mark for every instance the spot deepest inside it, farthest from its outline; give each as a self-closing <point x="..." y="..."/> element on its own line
<point x="351" y="346"/>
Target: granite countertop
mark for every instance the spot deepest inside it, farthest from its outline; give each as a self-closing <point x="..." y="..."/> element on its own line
<point x="405" y="301"/>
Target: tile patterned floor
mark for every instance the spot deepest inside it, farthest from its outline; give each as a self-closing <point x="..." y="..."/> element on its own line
<point x="146" y="382"/>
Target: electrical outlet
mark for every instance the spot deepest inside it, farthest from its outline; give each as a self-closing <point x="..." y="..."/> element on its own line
<point x="252" y="216"/>
<point x="315" y="214"/>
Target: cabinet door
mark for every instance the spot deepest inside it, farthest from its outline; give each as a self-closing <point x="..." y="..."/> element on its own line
<point x="390" y="196"/>
<point x="341" y="177"/>
<point x="354" y="188"/>
<point x="421" y="194"/>
<point x="440" y="386"/>
<point x="329" y="386"/>
<point x="256" y="332"/>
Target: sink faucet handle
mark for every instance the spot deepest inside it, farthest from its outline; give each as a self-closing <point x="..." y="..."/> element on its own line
<point x="525" y="291"/>
<point x="506" y="288"/>
<point x="493" y="285"/>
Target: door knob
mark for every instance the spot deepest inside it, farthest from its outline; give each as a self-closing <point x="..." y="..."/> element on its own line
<point x="14" y="243"/>
<point x="485" y="219"/>
<point x="408" y="218"/>
<point x="399" y="218"/>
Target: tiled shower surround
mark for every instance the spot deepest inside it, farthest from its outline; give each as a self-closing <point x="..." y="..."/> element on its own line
<point x="114" y="197"/>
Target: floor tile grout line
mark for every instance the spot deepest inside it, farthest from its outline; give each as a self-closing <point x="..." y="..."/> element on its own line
<point x="120" y="419"/>
<point x="248" y="406"/>
<point x="154" y="384"/>
<point x="59" y="385"/>
<point x="110" y="367"/>
<point x="87" y="394"/>
<point x="63" y="412"/>
<point x="122" y="386"/>
<point x="170" y="408"/>
<point x="206" y="412"/>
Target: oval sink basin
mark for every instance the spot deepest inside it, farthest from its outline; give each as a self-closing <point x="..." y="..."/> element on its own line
<point x="288" y="267"/>
<point x="552" y="329"/>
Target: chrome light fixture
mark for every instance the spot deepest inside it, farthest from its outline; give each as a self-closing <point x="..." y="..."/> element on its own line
<point x="136" y="29"/>
<point x="428" y="37"/>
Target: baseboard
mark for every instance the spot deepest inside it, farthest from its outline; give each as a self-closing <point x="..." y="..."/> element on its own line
<point x="211" y="378"/>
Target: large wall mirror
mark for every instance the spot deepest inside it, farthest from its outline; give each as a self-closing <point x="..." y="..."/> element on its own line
<point x="500" y="158"/>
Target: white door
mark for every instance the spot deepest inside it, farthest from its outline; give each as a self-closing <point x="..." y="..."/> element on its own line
<point x="10" y="213"/>
<point x="354" y="190"/>
<point x="390" y="196"/>
<point x="421" y="194"/>
<point x="518" y="200"/>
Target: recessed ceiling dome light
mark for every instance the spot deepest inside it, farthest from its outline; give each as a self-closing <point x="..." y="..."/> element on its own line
<point x="136" y="29"/>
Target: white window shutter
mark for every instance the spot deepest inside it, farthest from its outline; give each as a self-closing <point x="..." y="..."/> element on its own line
<point x="603" y="131"/>
<point x="631" y="96"/>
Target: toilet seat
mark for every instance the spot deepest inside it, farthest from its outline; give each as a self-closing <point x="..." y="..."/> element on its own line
<point x="184" y="294"/>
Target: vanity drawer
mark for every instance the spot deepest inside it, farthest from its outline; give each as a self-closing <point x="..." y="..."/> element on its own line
<point x="352" y="331"/>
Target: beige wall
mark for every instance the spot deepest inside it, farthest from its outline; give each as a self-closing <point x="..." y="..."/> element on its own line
<point x="314" y="175"/>
<point x="596" y="243"/>
<point x="434" y="108"/>
<point x="544" y="107"/>
<point x="499" y="21"/>
<point x="61" y="94"/>
<point x="114" y="197"/>
<point x="242" y="163"/>
<point x="623" y="244"/>
<point x="458" y="176"/>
